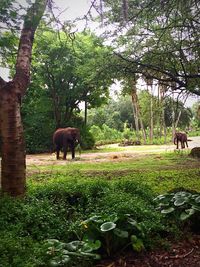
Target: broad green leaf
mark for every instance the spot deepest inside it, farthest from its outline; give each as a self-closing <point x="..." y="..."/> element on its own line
<point x="180" y="201"/>
<point x="107" y="226"/>
<point x="92" y="255"/>
<point x="197" y="200"/>
<point x="196" y="207"/>
<point x="65" y="259"/>
<point x="182" y="194"/>
<point x="166" y="211"/>
<point x="184" y="216"/>
<point x="159" y="197"/>
<point x="54" y="263"/>
<point x="74" y="245"/>
<point x="89" y="246"/>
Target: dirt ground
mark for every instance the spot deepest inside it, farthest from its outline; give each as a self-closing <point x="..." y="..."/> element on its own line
<point x="182" y="254"/>
<point x="127" y="153"/>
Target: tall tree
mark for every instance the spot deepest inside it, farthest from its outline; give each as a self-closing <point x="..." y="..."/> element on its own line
<point x="72" y="72"/>
<point x="11" y="130"/>
<point x="130" y="88"/>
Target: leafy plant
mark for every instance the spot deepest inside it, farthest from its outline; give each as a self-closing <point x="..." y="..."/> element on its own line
<point x="114" y="232"/>
<point x="184" y="203"/>
<point x="63" y="254"/>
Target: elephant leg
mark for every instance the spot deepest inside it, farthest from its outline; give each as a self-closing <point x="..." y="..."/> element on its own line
<point x="177" y="144"/>
<point x="57" y="152"/>
<point x="182" y="144"/>
<point x="65" y="152"/>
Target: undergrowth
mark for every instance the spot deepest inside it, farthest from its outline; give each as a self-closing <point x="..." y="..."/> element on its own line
<point x="58" y="204"/>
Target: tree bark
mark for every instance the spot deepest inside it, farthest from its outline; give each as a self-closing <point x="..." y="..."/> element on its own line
<point x="12" y="150"/>
<point x="135" y="109"/>
<point x="136" y="113"/>
<point x="149" y="82"/>
<point x="162" y="90"/>
<point x="13" y="167"/>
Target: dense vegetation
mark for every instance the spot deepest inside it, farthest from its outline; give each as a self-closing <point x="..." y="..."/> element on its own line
<point x="94" y="203"/>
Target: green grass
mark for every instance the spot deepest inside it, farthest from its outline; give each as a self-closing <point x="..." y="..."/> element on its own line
<point x="161" y="172"/>
<point x="154" y="161"/>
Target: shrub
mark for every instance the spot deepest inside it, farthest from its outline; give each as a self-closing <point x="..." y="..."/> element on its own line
<point x="184" y="206"/>
<point x="54" y="209"/>
<point x="87" y="139"/>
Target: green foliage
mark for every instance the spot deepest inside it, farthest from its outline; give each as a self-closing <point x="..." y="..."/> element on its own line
<point x="38" y="120"/>
<point x="87" y="139"/>
<point x="19" y="250"/>
<point x="183" y="204"/>
<point x="70" y="254"/>
<point x="156" y="48"/>
<point x="105" y="134"/>
<point x="60" y="199"/>
<point x="68" y="71"/>
<point x="196" y="116"/>
<point x="113" y="232"/>
<point x="114" y="114"/>
<point x="55" y="209"/>
<point x="170" y="106"/>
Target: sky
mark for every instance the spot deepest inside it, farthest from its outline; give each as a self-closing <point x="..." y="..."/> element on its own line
<point x="74" y="8"/>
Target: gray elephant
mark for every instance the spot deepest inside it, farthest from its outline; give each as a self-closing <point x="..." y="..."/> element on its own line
<point x="182" y="138"/>
<point x="66" y="138"/>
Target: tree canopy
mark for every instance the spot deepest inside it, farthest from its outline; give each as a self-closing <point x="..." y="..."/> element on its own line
<point x="71" y="71"/>
<point x="157" y="39"/>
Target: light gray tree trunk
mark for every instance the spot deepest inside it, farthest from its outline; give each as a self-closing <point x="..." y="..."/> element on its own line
<point x="136" y="113"/>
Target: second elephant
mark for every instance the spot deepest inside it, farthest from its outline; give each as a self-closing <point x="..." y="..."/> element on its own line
<point x="66" y="138"/>
<point x="182" y="138"/>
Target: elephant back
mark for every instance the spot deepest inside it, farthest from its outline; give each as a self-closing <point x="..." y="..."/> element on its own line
<point x="63" y="135"/>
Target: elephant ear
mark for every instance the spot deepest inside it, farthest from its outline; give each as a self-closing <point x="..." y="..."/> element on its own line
<point x="75" y="133"/>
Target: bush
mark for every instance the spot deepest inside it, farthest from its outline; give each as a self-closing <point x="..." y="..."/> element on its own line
<point x="183" y="206"/>
<point x="56" y="208"/>
<point x="105" y="134"/>
<point x="87" y="139"/>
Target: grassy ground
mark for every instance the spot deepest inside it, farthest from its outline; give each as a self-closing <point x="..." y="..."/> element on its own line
<point x="161" y="171"/>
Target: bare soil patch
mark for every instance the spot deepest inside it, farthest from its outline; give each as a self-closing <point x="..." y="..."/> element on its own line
<point x="182" y="254"/>
<point x="127" y="154"/>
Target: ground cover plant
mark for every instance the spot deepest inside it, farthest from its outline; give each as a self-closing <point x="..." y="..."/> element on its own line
<point x="74" y="213"/>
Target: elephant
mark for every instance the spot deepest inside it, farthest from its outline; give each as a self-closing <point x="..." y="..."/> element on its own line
<point x="182" y="138"/>
<point x="66" y="138"/>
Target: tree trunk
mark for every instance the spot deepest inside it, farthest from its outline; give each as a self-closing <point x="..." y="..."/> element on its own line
<point x="11" y="130"/>
<point x="12" y="142"/>
<point x="151" y="120"/>
<point x="162" y="89"/>
<point x="86" y="109"/>
<point x="149" y="82"/>
<point x="136" y="112"/>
